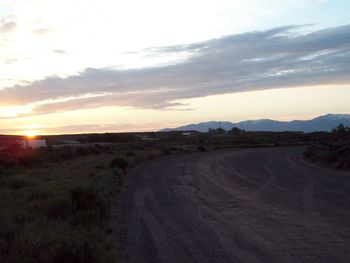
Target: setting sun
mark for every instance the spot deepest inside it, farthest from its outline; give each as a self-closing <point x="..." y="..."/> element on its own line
<point x="31" y="134"/>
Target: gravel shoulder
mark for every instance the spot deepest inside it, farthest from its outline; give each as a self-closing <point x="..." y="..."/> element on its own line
<point x="240" y="205"/>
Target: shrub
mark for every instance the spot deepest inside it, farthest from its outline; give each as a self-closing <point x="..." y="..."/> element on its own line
<point x="17" y="182"/>
<point x="39" y="193"/>
<point x="120" y="163"/>
<point x="57" y="243"/>
<point x="166" y="151"/>
<point x="27" y="245"/>
<point x="330" y="153"/>
<point x="108" y="185"/>
<point x="99" y="166"/>
<point x="130" y="153"/>
<point x="83" y="198"/>
<point x="59" y="209"/>
<point x="7" y="229"/>
<point x="88" y="208"/>
<point x="68" y="252"/>
<point x="21" y="217"/>
<point x="87" y="217"/>
<point x="83" y="245"/>
<point x="201" y="148"/>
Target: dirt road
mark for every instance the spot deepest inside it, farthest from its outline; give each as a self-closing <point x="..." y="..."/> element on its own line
<point x="248" y="205"/>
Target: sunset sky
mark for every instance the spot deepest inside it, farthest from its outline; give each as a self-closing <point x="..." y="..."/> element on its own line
<point x="112" y="66"/>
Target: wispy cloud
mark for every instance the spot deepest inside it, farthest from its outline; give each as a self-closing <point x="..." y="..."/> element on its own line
<point x="41" y="31"/>
<point x="10" y="61"/>
<point x="277" y="58"/>
<point x="82" y="128"/>
<point x="60" y="51"/>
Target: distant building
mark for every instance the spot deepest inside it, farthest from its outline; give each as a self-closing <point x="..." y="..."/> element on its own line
<point x="32" y="144"/>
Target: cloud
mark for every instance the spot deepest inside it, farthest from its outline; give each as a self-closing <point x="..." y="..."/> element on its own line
<point x="8" y="26"/>
<point x="10" y="61"/>
<point x="41" y="31"/>
<point x="101" y="127"/>
<point x="60" y="51"/>
<point x="277" y="58"/>
<point x="85" y="128"/>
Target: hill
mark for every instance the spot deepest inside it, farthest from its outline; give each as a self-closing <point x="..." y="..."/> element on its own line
<point x="321" y="123"/>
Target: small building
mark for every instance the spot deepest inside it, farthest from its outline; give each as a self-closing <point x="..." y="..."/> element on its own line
<point x="32" y="144"/>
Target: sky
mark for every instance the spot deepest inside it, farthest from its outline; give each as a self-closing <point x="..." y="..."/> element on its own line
<point x="114" y="66"/>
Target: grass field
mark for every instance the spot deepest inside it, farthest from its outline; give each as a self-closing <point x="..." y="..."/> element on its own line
<point x="60" y="210"/>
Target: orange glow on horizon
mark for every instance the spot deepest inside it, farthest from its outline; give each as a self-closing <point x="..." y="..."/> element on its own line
<point x="31" y="134"/>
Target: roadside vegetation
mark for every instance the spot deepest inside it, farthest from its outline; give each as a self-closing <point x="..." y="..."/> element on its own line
<point x="56" y="204"/>
<point x="332" y="151"/>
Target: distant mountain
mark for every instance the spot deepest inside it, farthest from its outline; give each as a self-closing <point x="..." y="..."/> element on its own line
<point x="321" y="123"/>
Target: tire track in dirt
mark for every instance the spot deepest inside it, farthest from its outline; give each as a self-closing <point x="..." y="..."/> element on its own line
<point x="248" y="205"/>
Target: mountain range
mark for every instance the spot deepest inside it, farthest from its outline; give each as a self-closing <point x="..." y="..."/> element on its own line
<point x="321" y="123"/>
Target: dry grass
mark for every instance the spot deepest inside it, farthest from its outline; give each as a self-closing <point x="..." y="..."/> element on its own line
<point x="59" y="210"/>
<point x="58" y="213"/>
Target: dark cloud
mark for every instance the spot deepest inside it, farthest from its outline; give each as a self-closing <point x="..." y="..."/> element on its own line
<point x="277" y="58"/>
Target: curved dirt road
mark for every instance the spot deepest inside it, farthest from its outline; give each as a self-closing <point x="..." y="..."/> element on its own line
<point x="248" y="205"/>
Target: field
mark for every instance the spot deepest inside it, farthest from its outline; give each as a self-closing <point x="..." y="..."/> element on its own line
<point x="62" y="203"/>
